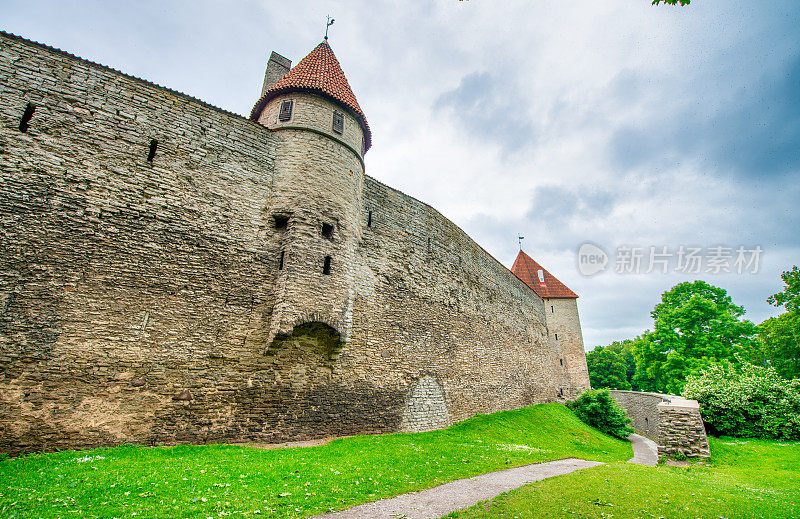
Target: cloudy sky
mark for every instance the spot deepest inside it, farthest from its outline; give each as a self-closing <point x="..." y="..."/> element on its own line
<point x="616" y="123"/>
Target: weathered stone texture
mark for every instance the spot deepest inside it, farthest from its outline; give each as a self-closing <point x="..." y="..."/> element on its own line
<point x="642" y="408"/>
<point x="144" y="302"/>
<point x="566" y="340"/>
<point x="426" y="407"/>
<point x="673" y="422"/>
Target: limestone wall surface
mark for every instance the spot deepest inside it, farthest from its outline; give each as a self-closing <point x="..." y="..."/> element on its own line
<point x="139" y="298"/>
<point x="566" y="338"/>
<point x="673" y="422"/>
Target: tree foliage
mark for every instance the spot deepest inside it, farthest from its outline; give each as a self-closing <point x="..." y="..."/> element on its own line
<point x="598" y="409"/>
<point x="779" y="344"/>
<point x="747" y="400"/>
<point x="695" y="325"/>
<point x="779" y="337"/>
<point x="672" y="2"/>
<point x="789" y="298"/>
<point x="607" y="368"/>
<point x="613" y="366"/>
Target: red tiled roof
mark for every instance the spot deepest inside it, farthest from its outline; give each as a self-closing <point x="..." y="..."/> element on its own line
<point x="318" y="73"/>
<point x="526" y="269"/>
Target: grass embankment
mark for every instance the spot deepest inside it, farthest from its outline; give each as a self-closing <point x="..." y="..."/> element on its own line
<point x="745" y="479"/>
<point x="240" y="481"/>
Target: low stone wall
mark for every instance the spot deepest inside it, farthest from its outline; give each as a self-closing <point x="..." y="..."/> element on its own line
<point x="673" y="422"/>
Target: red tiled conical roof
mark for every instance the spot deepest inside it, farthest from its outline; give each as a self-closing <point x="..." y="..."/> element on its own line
<point x="526" y="269"/>
<point x="318" y="73"/>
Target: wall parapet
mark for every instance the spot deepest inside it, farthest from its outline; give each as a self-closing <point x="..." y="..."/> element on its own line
<point x="673" y="422"/>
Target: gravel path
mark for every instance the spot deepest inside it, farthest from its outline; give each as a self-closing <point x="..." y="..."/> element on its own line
<point x="645" y="450"/>
<point x="457" y="495"/>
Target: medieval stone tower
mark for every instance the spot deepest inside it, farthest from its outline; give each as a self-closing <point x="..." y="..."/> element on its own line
<point x="172" y="272"/>
<point x="321" y="137"/>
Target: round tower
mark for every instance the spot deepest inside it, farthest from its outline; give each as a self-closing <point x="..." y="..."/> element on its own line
<point x="315" y="207"/>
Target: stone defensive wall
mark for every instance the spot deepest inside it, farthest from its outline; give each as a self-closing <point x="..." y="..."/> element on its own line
<point x="140" y="253"/>
<point x="673" y="422"/>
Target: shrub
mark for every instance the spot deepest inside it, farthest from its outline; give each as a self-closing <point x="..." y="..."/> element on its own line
<point x="747" y="401"/>
<point x="597" y="408"/>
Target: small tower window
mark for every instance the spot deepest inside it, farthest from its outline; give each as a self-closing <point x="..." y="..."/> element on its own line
<point x="561" y="361"/>
<point x="326" y="268"/>
<point x="338" y="122"/>
<point x="369" y="219"/>
<point x="152" y="153"/>
<point x="280" y="265"/>
<point x="280" y="221"/>
<point x="551" y="309"/>
<point x="556" y="336"/>
<point x="327" y="231"/>
<point x="26" y="117"/>
<point x="286" y="110"/>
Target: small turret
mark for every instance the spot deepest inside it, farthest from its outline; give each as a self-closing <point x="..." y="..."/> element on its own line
<point x="321" y="136"/>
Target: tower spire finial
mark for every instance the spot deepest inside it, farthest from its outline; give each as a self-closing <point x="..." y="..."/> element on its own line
<point x="520" y="241"/>
<point x="330" y="22"/>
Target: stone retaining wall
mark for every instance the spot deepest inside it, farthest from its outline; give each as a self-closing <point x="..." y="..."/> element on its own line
<point x="673" y="422"/>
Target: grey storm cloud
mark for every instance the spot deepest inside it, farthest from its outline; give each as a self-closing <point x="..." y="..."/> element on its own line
<point x="757" y="134"/>
<point x="488" y="108"/>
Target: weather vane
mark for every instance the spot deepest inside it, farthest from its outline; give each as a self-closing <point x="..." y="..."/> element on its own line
<point x="330" y="22"/>
<point x="520" y="241"/>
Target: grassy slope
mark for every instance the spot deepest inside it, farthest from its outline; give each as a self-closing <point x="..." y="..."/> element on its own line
<point x="202" y="481"/>
<point x="746" y="479"/>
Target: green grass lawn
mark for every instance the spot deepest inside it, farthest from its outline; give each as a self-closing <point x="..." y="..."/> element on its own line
<point x="745" y="479"/>
<point x="239" y="481"/>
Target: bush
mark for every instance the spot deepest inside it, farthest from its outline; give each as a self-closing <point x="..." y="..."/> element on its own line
<point x="597" y="408"/>
<point x="747" y="401"/>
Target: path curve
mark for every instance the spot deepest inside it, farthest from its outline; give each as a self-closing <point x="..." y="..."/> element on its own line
<point x="457" y="495"/>
<point x="645" y="450"/>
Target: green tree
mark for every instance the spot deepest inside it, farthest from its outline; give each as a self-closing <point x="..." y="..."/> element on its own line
<point x="607" y="368"/>
<point x="789" y="298"/>
<point x="695" y="325"/>
<point x="779" y="337"/>
<point x="672" y="2"/>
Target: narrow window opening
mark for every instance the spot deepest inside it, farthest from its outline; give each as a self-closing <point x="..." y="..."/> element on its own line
<point x="280" y="265"/>
<point x="429" y="244"/>
<point x="286" y="110"/>
<point x="551" y="309"/>
<point x="26" y="117"/>
<point x="561" y="391"/>
<point x="327" y="230"/>
<point x="326" y="269"/>
<point x="556" y="336"/>
<point x="561" y="361"/>
<point x="646" y="421"/>
<point x="152" y="153"/>
<point x="369" y="219"/>
<point x="338" y="122"/>
<point x="280" y="221"/>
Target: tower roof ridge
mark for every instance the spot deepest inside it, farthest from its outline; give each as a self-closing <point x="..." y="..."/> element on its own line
<point x="319" y="73"/>
<point x="547" y="285"/>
